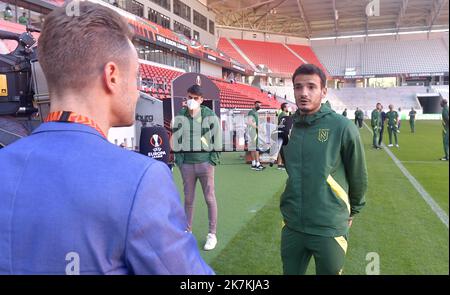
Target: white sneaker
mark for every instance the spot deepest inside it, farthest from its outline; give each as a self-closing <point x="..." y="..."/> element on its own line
<point x="390" y="145"/>
<point x="211" y="242"/>
<point x="397" y="145"/>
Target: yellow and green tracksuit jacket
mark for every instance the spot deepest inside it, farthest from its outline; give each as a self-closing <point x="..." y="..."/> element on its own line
<point x="204" y="136"/>
<point x="327" y="174"/>
<point x="392" y="117"/>
<point x="375" y="119"/>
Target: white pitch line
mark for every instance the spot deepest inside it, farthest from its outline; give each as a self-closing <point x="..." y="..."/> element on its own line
<point x="425" y="162"/>
<point x="426" y="196"/>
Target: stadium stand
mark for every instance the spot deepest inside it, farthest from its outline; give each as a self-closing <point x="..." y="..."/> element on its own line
<point x="333" y="58"/>
<point x="283" y="62"/>
<point x="225" y="46"/>
<point x="306" y="53"/>
<point x="445" y="41"/>
<point x="281" y="91"/>
<point x="287" y="58"/>
<point x="353" y="58"/>
<point x="405" y="57"/>
<point x="157" y="81"/>
<point x="242" y="96"/>
<point x="371" y="58"/>
<point x="366" y="98"/>
<point x="442" y="90"/>
<point x="386" y="57"/>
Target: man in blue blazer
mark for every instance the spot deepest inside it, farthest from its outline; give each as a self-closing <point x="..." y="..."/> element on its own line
<point x="70" y="201"/>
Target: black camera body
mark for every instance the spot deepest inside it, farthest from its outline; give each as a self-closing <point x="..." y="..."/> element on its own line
<point x="23" y="89"/>
<point x="16" y="91"/>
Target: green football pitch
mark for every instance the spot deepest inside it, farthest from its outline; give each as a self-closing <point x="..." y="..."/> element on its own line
<point x="396" y="224"/>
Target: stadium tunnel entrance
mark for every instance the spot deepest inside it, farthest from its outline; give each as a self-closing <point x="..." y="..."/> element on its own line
<point x="430" y="103"/>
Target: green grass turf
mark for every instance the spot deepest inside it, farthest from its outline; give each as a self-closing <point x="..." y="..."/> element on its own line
<point x="420" y="153"/>
<point x="240" y="194"/>
<point x="396" y="223"/>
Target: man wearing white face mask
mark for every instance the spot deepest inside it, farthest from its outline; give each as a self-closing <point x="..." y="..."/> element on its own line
<point x="199" y="165"/>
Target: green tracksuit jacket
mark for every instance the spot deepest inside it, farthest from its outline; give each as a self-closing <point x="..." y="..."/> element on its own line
<point x="359" y="114"/>
<point x="445" y="122"/>
<point x="376" y="119"/>
<point x="392" y="117"/>
<point x="189" y="133"/>
<point x="376" y="127"/>
<point x="327" y="173"/>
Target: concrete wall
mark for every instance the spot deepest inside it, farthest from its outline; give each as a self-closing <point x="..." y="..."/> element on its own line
<point x="260" y="36"/>
<point x="205" y="36"/>
<point x="209" y="69"/>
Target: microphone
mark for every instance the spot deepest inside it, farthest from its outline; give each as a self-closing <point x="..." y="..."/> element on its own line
<point x="154" y="142"/>
<point x="280" y="137"/>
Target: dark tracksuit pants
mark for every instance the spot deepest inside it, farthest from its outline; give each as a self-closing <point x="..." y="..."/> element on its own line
<point x="445" y="141"/>
<point x="411" y="125"/>
<point x="392" y="129"/>
<point x="380" y="140"/>
<point x="376" y="136"/>
<point x="360" y="123"/>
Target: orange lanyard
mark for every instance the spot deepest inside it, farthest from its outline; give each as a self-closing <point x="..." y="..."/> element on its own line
<point x="71" y="117"/>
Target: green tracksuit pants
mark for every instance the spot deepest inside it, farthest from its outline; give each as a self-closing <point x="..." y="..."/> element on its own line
<point x="297" y="249"/>
<point x="411" y="125"/>
<point x="392" y="129"/>
<point x="445" y="141"/>
<point x="376" y="136"/>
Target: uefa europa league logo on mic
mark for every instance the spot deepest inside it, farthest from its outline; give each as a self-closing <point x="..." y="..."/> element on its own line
<point x="155" y="140"/>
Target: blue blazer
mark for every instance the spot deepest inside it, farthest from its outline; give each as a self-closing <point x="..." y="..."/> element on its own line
<point x="71" y="202"/>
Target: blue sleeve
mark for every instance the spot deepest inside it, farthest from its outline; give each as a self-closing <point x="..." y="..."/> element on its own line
<point x="156" y="240"/>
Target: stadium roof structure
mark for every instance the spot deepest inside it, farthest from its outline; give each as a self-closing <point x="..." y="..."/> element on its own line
<point x="331" y="18"/>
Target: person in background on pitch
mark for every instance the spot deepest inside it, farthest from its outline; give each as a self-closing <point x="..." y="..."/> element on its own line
<point x="252" y="129"/>
<point x="344" y="113"/>
<point x="284" y="113"/>
<point x="359" y="117"/>
<point x="7" y="13"/>
<point x="72" y="202"/>
<point x="392" y="117"/>
<point x="412" y="119"/>
<point x="376" y="125"/>
<point x="444" y="106"/>
<point x="327" y="180"/>
<point x="199" y="165"/>
<point x="399" y="120"/>
<point x="383" y="120"/>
